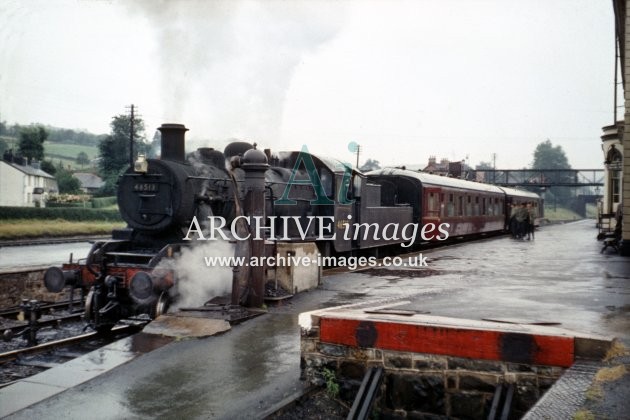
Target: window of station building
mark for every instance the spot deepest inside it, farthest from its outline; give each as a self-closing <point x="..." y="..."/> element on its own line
<point x="615" y="186"/>
<point x="615" y="167"/>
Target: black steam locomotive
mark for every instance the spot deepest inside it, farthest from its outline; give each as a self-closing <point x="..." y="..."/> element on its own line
<point x="168" y="203"/>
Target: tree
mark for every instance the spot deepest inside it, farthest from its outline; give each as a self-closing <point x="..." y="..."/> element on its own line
<point x="3" y="147"/>
<point x="370" y="165"/>
<point x="109" y="188"/>
<point x="32" y="142"/>
<point x="67" y="183"/>
<point x="548" y="156"/>
<point x="82" y="159"/>
<point x="48" y="167"/>
<point x="114" y="149"/>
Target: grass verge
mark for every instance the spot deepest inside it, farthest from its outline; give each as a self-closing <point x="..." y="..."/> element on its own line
<point x="560" y="214"/>
<point x="20" y="229"/>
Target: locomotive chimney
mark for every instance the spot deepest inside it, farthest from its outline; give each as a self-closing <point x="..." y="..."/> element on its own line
<point x="173" y="143"/>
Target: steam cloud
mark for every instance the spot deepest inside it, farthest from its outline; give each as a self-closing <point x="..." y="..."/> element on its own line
<point x="226" y="66"/>
<point x="198" y="283"/>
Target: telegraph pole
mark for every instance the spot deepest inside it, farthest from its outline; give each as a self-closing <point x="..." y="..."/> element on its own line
<point x="358" y="151"/>
<point x="131" y="121"/>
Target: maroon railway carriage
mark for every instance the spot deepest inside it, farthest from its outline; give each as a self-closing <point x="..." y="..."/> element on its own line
<point x="470" y="208"/>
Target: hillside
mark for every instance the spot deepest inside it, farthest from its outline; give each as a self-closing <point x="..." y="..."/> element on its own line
<point x="67" y="153"/>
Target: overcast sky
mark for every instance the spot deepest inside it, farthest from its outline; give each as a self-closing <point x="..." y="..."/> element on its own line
<point x="404" y="79"/>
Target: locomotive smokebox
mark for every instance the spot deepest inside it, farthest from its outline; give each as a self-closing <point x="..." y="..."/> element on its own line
<point x="173" y="142"/>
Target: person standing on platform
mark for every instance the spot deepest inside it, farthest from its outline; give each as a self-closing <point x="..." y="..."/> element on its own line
<point x="521" y="220"/>
<point x="531" y="219"/>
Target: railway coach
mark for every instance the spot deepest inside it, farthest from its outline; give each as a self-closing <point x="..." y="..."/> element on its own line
<point x="469" y="208"/>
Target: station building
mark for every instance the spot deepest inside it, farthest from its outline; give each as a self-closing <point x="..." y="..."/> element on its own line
<point x="612" y="148"/>
<point x="618" y="168"/>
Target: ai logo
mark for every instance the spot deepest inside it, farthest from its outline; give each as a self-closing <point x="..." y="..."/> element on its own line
<point x="305" y="158"/>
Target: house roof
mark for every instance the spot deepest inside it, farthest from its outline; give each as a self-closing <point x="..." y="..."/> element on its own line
<point x="29" y="170"/>
<point x="89" y="180"/>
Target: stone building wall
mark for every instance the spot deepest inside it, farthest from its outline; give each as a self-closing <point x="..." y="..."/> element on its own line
<point x="625" y="249"/>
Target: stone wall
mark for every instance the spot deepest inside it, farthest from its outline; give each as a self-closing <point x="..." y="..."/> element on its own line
<point x="27" y="284"/>
<point x="422" y="385"/>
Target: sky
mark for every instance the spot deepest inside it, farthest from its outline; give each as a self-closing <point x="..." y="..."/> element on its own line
<point x="458" y="79"/>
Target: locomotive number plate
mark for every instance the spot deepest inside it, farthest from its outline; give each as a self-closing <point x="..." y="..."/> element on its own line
<point x="145" y="187"/>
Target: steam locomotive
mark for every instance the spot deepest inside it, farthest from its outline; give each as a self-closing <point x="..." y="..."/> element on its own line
<point x="162" y="199"/>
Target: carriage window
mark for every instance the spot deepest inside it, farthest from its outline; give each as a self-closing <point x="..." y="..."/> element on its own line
<point x="432" y="204"/>
<point x="484" y="208"/>
<point x="450" y="206"/>
<point x="476" y="207"/>
<point x="460" y="206"/>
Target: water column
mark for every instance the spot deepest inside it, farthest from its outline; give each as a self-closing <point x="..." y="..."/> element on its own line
<point x="254" y="163"/>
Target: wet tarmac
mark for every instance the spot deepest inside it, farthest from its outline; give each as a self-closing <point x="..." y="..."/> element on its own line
<point x="17" y="257"/>
<point x="560" y="277"/>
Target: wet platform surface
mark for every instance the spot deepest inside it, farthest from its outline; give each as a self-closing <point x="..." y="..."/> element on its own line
<point x="559" y="278"/>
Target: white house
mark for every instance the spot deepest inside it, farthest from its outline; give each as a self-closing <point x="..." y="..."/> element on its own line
<point x="24" y="185"/>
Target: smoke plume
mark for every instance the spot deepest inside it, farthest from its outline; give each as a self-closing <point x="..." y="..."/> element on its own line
<point x="226" y="66"/>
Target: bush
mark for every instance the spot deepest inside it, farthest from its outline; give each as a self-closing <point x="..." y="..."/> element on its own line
<point x="48" y="213"/>
<point x="101" y="202"/>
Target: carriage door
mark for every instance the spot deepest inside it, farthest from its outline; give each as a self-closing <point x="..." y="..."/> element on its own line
<point x="431" y="205"/>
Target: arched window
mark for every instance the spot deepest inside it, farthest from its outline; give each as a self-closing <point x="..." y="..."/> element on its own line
<point x="614" y="165"/>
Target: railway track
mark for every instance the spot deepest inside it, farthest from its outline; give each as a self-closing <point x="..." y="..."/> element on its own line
<point x="14" y="311"/>
<point x="24" y="362"/>
<point x="41" y="335"/>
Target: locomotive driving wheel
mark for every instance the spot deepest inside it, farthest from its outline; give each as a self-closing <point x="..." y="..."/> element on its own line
<point x="89" y="306"/>
<point x="91" y="313"/>
<point x="161" y="305"/>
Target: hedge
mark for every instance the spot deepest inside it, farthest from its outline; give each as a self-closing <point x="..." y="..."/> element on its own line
<point x="99" y="202"/>
<point x="68" y="213"/>
<point x="54" y="204"/>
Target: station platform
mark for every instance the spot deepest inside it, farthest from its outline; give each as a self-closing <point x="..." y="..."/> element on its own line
<point x="558" y="280"/>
